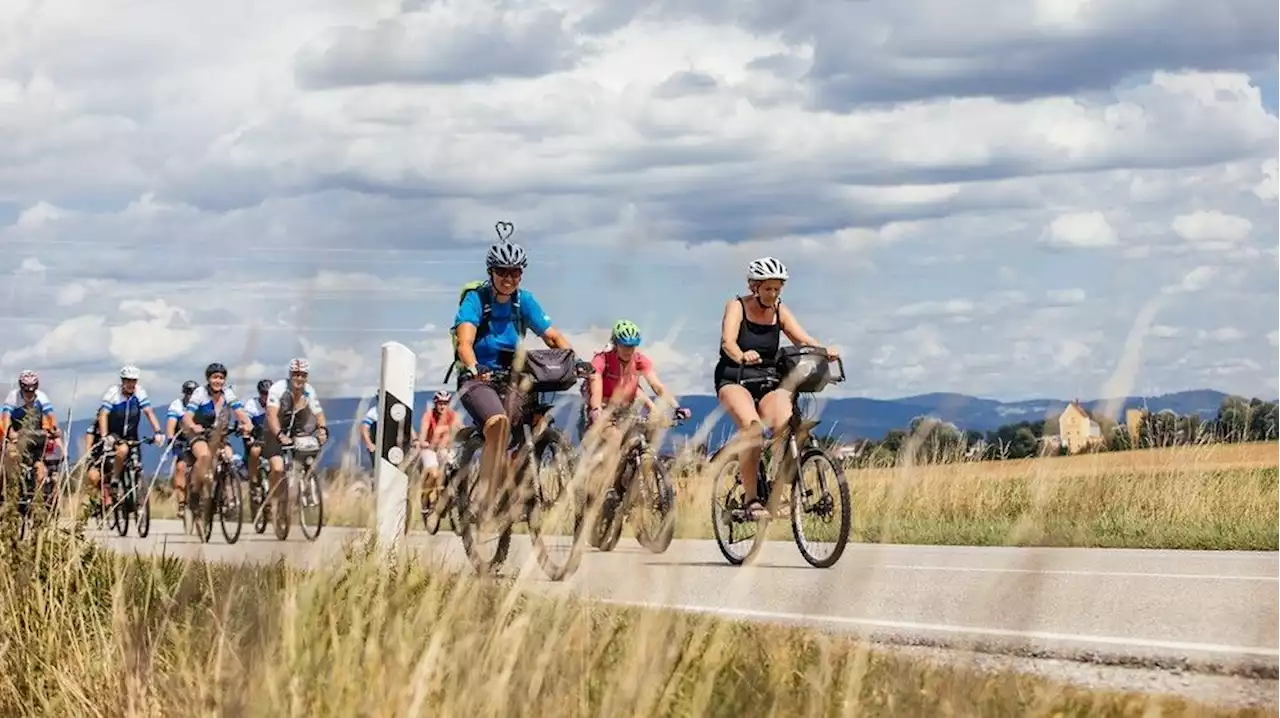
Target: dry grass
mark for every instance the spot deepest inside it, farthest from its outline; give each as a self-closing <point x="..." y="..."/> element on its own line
<point x="84" y="632"/>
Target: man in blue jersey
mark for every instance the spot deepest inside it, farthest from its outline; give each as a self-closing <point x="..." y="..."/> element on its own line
<point x="256" y="408"/>
<point x="122" y="406"/>
<point x="181" y="449"/>
<point x="27" y="421"/>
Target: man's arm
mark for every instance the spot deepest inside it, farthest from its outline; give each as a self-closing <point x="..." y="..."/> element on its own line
<point x="272" y="414"/>
<point x="102" y="422"/>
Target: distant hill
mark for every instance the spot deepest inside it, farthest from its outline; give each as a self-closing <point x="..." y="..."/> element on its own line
<point x="848" y="418"/>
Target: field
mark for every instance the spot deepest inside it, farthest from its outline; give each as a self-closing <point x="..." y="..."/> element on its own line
<point x="86" y="632"/>
<point x="1204" y="497"/>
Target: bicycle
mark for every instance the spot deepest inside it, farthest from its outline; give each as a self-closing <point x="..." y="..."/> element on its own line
<point x="124" y="494"/>
<point x="259" y="488"/>
<point x="789" y="456"/>
<point x="299" y="458"/>
<point x="528" y="497"/>
<point x="27" y="490"/>
<point x="654" y="494"/>
<point x="225" y="499"/>
<point x="434" y="511"/>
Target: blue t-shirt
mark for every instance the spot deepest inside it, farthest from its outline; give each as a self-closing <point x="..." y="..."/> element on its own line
<point x="501" y="334"/>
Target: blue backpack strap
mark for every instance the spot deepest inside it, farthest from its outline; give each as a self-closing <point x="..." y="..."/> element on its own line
<point x="486" y="308"/>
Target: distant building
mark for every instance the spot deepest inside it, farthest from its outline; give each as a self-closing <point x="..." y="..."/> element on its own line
<point x="1076" y="429"/>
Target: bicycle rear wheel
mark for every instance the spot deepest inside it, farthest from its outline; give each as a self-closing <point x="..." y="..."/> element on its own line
<point x="144" y="515"/>
<point x="202" y="509"/>
<point x="554" y="527"/>
<point x="820" y="507"/>
<point x="230" y="504"/>
<point x="258" y="503"/>
<point x="121" y="506"/>
<point x="310" y="506"/>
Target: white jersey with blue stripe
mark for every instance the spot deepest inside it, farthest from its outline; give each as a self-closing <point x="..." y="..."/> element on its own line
<point x="256" y="411"/>
<point x="202" y="404"/>
<point x="176" y="409"/>
<point x="123" y="411"/>
<point x="371" y="417"/>
<point x="16" y="409"/>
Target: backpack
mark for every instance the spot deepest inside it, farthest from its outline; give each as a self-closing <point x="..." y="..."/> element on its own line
<point x="481" y="286"/>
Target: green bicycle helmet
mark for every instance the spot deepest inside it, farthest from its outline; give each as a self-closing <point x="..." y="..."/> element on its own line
<point x="625" y="333"/>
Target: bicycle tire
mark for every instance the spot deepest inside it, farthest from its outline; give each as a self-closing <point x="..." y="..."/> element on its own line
<point x="309" y="489"/>
<point x="662" y="493"/>
<point x="558" y="443"/>
<point x="845" y="510"/>
<point x="230" y="500"/>
<point x="723" y="518"/>
<point x="280" y="511"/>
<point x="144" y="516"/>
<point x="469" y="512"/>
<point x="258" y="504"/>
<point x="123" y="505"/>
<point x="202" y="514"/>
<point x="433" y="512"/>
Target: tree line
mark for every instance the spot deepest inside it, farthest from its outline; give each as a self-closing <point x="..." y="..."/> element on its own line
<point x="929" y="440"/>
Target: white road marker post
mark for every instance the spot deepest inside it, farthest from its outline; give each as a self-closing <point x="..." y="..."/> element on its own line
<point x="395" y="426"/>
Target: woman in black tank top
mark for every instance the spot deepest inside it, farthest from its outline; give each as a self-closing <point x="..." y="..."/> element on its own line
<point x="746" y="376"/>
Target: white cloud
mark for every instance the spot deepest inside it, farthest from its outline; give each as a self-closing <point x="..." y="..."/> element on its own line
<point x="1066" y="297"/>
<point x="1222" y="334"/>
<point x="1196" y="280"/>
<point x="1080" y="229"/>
<point x="1163" y="331"/>
<point x="1269" y="186"/>
<point x="1212" y="229"/>
<point x="75" y="340"/>
<point x="32" y="265"/>
<point x="950" y="307"/>
<point x="1273" y="338"/>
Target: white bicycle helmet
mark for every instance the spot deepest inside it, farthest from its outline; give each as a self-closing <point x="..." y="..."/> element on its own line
<point x="442" y="397"/>
<point x="766" y="268"/>
<point x="129" y="371"/>
<point x="299" y="365"/>
<point x="506" y="255"/>
<point x="29" y="379"/>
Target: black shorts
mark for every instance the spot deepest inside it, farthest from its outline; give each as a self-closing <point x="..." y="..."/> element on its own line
<point x="31" y="445"/>
<point x="255" y="435"/>
<point x="757" y="380"/>
<point x="483" y="402"/>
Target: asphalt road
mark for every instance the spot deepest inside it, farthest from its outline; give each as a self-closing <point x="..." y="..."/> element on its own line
<point x="1198" y="609"/>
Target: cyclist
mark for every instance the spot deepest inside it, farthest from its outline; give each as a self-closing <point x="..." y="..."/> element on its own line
<point x="256" y="408"/>
<point x="205" y="409"/>
<point x="27" y="421"/>
<point x="182" y="457"/>
<point x="481" y="352"/>
<point x="435" y="440"/>
<point x="746" y="378"/>
<point x="369" y="432"/>
<point x="122" y="405"/>
<point x="614" y="388"/>
<point x="293" y="409"/>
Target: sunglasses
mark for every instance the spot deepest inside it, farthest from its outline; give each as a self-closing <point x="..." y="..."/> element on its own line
<point x="508" y="272"/>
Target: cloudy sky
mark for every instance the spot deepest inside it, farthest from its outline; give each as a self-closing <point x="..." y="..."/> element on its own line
<point x="1008" y="199"/>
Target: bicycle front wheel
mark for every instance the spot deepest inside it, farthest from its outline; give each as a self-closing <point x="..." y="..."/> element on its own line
<point x="310" y="506"/>
<point x="821" y="511"/>
<point x="553" y="518"/>
<point x="656" y="525"/>
<point x="230" y="500"/>
<point x="739" y="537"/>
<point x="486" y="553"/>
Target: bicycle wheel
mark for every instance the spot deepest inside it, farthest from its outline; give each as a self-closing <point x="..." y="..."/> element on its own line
<point x="471" y="508"/>
<point x="144" y="515"/>
<point x="230" y="501"/>
<point x="310" y="506"/>
<point x="202" y="512"/>
<point x="814" y="510"/>
<point x="656" y="498"/>
<point x="732" y="527"/>
<point x="553" y="517"/>
<point x="280" y="511"/>
<point x="120" y="508"/>
<point x="258" y="503"/>
<point x="433" y="512"/>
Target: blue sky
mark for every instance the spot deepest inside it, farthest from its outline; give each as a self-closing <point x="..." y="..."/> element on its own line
<point x="1058" y="198"/>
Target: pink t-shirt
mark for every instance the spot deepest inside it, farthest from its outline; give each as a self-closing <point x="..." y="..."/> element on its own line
<point x="617" y="380"/>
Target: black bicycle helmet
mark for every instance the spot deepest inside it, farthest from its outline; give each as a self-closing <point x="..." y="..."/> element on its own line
<point x="189" y="386"/>
<point x="214" y="368"/>
<point x="264" y="386"/>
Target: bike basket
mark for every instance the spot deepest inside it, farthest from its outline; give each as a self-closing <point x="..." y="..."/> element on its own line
<point x="806" y="369"/>
<point x="306" y="445"/>
<point x="551" y="370"/>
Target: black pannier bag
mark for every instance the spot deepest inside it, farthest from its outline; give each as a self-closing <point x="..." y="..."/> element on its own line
<point x="806" y="369"/>
<point x="551" y="370"/>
